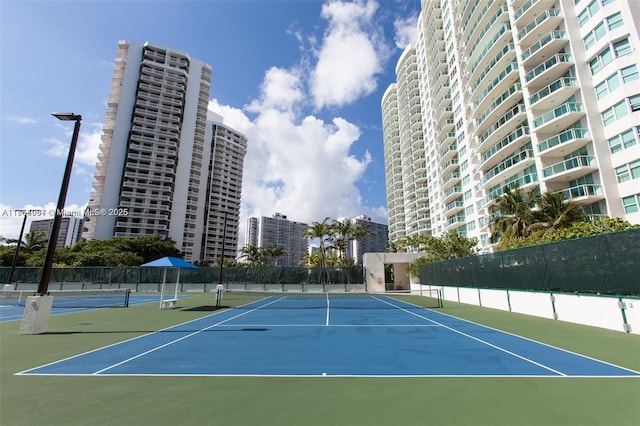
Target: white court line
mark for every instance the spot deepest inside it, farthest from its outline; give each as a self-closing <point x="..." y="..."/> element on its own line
<point x="184" y="337"/>
<point x="530" y="340"/>
<point x="130" y="340"/>
<point x="479" y="340"/>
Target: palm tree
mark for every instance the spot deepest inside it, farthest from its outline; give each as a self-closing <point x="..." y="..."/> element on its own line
<point x="557" y="213"/>
<point x="34" y="241"/>
<point x="274" y="252"/>
<point x="514" y="213"/>
<point x="320" y="230"/>
<point x="252" y="254"/>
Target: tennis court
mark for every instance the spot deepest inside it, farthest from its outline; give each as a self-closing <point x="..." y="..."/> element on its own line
<point x="12" y="303"/>
<point x="327" y="335"/>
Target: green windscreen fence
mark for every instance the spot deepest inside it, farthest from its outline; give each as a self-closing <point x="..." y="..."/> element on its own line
<point x="606" y="264"/>
<point x="110" y="277"/>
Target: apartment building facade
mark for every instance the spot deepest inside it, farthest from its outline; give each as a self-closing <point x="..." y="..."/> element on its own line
<point x="158" y="170"/>
<point x="374" y="243"/>
<point x="517" y="92"/>
<point x="70" y="229"/>
<point x="278" y="231"/>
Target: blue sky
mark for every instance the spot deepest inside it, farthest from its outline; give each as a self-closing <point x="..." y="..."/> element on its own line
<point x="302" y="79"/>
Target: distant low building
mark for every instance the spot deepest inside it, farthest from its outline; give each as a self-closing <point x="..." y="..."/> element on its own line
<point x="375" y="243"/>
<point x="279" y="231"/>
<point x="70" y="229"/>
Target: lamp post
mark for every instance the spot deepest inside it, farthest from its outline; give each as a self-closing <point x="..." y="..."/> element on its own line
<point x="43" y="286"/>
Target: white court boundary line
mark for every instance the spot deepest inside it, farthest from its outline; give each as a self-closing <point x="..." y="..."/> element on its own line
<point x="26" y="372"/>
<point x="434" y="324"/>
<point x="526" y="338"/>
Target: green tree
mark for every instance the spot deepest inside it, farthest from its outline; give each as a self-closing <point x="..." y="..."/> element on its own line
<point x="320" y="231"/>
<point x="34" y="241"/>
<point x="252" y="254"/>
<point x="449" y="246"/>
<point x="556" y="212"/>
<point x="514" y="214"/>
<point x="274" y="252"/>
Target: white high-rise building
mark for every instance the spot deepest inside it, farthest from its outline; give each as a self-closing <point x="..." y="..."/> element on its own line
<point x="513" y="92"/>
<point x="278" y="231"/>
<point x="159" y="170"/>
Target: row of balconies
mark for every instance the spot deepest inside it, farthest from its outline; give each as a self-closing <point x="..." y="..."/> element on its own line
<point x="502" y="11"/>
<point x="515" y="139"/>
<point x="545" y="47"/>
<point x="501" y="38"/>
<point x="498" y="84"/>
<point x="504" y="101"/>
<point x="519" y="161"/>
<point x="506" y="123"/>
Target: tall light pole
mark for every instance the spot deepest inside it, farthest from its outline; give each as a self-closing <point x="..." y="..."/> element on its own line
<point x="43" y="287"/>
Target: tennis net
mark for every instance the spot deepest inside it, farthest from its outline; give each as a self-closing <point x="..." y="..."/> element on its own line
<point x="102" y="298"/>
<point x="251" y="299"/>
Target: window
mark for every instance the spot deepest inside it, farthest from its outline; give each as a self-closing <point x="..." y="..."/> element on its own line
<point x="634" y="168"/>
<point x="629" y="73"/>
<point x="583" y="18"/>
<point x="622" y="47"/>
<point x="634" y="103"/>
<point x="622" y="173"/>
<point x="623" y="140"/>
<point x="614" y="21"/>
<point x="601" y="60"/>
<point x="630" y="204"/>
<point x="607" y="86"/>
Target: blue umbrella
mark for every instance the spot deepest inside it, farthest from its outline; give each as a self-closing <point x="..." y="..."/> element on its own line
<point x="166" y="263"/>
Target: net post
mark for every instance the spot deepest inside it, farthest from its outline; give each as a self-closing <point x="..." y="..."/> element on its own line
<point x="219" y="291"/>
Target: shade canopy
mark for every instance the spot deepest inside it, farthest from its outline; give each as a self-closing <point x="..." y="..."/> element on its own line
<point x="169" y="262"/>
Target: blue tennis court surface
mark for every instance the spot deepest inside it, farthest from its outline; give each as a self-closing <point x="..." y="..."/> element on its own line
<point x="354" y="336"/>
<point x="12" y="311"/>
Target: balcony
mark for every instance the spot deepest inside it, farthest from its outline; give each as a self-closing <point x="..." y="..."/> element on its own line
<point x="447" y="140"/>
<point x="450" y="180"/>
<point x="448" y="152"/>
<point x="449" y="166"/>
<point x="547" y="46"/>
<point x="554" y="94"/>
<point x="505" y="124"/>
<point x="454" y="207"/>
<point x="511" y="165"/>
<point x="529" y="10"/>
<point x="543" y="23"/>
<point x="451" y="193"/>
<point x="570" y="169"/>
<point x="501" y="105"/>
<point x="561" y="117"/>
<point x="498" y="85"/>
<point x="551" y="69"/>
<point x="513" y="141"/>
<point x="565" y="142"/>
<point x="455" y="222"/>
<point x="589" y="193"/>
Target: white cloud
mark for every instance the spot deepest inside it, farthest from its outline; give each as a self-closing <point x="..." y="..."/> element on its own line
<point x="86" y="150"/>
<point x="281" y="89"/>
<point x="11" y="217"/>
<point x="351" y="54"/>
<point x="406" y="31"/>
<point x="22" y="120"/>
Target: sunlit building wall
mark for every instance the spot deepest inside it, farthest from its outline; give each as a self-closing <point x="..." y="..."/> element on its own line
<point x="526" y="93"/>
